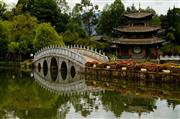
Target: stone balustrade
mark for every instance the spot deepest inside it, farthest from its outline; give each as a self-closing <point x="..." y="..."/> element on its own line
<point x="172" y="57"/>
<point x="90" y="52"/>
<point x="59" y="52"/>
<point x="73" y="53"/>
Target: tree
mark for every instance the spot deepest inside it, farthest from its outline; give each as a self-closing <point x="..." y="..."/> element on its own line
<point x="46" y="35"/>
<point x="155" y="20"/>
<point x="171" y="24"/>
<point x="63" y="5"/>
<point x="75" y="25"/>
<point x="131" y="9"/>
<point x="111" y="17"/>
<point x="23" y="32"/>
<point x="13" y="47"/>
<point x="2" y="9"/>
<point x="86" y="11"/>
<point x="171" y="49"/>
<point x="70" y="37"/>
<point x="4" y="37"/>
<point x="47" y="11"/>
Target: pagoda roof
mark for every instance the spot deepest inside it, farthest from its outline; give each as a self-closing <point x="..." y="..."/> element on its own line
<point x="144" y="41"/>
<point x="138" y="15"/>
<point x="137" y="29"/>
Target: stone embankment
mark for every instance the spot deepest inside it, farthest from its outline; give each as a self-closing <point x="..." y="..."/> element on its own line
<point x="130" y="70"/>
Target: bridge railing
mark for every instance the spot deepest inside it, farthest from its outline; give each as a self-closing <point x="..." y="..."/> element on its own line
<point x="90" y="52"/>
<point x="56" y="50"/>
<point x="172" y="57"/>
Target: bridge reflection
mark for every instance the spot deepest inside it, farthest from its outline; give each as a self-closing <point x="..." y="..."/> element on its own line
<point x="60" y="82"/>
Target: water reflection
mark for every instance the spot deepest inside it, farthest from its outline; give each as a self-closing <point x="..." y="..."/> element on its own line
<point x="64" y="70"/>
<point x="22" y="97"/>
<point x="45" y="68"/>
<point x="74" y="85"/>
<point x="54" y="69"/>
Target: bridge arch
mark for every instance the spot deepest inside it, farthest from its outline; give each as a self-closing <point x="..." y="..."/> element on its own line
<point x="73" y="71"/>
<point x="39" y="67"/>
<point x="45" y="68"/>
<point x="54" y="69"/>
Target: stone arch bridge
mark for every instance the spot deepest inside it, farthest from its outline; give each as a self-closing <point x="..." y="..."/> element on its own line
<point x="69" y="60"/>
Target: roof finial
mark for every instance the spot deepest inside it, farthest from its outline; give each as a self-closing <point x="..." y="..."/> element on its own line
<point x="139" y="7"/>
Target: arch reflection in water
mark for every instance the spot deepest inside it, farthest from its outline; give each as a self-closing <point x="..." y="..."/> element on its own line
<point x="64" y="70"/>
<point x="69" y="86"/>
<point x="73" y="71"/>
<point x="45" y="68"/>
<point x="54" y="69"/>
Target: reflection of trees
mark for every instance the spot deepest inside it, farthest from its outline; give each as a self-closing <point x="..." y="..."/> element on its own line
<point x="117" y="103"/>
<point x="32" y="102"/>
<point x="173" y="103"/>
<point x="62" y="106"/>
<point x="141" y="104"/>
<point x="114" y="102"/>
<point x="85" y="104"/>
<point x="18" y="92"/>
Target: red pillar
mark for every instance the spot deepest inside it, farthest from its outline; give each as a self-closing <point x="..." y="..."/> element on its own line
<point x="130" y="52"/>
<point x="144" y="51"/>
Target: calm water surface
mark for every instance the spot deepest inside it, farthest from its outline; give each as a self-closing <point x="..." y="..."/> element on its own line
<point x="22" y="97"/>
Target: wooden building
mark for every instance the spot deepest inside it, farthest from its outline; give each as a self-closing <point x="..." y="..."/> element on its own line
<point x="137" y="39"/>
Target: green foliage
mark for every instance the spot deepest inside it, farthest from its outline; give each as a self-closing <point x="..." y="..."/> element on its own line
<point x="23" y="32"/>
<point x="2" y="8"/>
<point x="74" y="38"/>
<point x="23" y="27"/>
<point x="46" y="35"/>
<point x="13" y="47"/>
<point x="47" y="11"/>
<point x="170" y="36"/>
<point x="75" y="26"/>
<point x="111" y="17"/>
<point x="85" y="11"/>
<point x="131" y="9"/>
<point x="155" y="21"/>
<point x="4" y="36"/>
<point x="171" y="24"/>
<point x="70" y="37"/>
<point x="63" y="5"/>
<point x="171" y="49"/>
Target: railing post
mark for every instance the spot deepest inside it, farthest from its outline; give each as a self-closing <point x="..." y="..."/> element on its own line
<point x="95" y="50"/>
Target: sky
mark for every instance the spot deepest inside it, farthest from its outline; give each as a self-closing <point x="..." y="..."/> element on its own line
<point x="160" y="6"/>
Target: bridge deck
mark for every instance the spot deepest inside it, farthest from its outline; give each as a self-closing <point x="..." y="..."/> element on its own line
<point x="89" y="59"/>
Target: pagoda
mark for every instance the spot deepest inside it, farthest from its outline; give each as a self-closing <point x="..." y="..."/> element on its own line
<point x="137" y="39"/>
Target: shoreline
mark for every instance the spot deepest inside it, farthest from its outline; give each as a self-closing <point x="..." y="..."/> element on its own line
<point x="105" y="74"/>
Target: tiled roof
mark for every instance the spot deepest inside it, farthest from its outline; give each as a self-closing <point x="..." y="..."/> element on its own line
<point x="145" y="41"/>
<point x="137" y="15"/>
<point x="137" y="29"/>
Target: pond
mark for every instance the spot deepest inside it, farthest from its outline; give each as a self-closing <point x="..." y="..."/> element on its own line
<point x="26" y="95"/>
